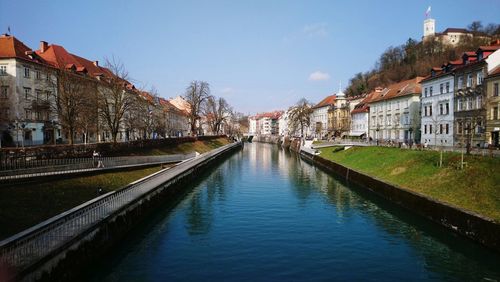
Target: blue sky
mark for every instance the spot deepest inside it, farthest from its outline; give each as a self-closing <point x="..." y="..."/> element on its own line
<point x="259" y="55"/>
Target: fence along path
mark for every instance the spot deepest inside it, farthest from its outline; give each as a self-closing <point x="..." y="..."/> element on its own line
<point x="89" y="164"/>
<point x="39" y="241"/>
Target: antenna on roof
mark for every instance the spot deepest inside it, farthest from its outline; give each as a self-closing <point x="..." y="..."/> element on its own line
<point x="8" y="30"/>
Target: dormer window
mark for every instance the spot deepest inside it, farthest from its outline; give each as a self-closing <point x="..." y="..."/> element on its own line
<point x="433" y="73"/>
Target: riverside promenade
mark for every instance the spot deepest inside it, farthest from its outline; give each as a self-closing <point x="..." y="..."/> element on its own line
<point x="39" y="249"/>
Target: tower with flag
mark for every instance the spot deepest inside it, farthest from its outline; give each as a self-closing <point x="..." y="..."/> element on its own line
<point x="429" y="24"/>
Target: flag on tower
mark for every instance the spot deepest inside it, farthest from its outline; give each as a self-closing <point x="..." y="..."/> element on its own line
<point x="427" y="13"/>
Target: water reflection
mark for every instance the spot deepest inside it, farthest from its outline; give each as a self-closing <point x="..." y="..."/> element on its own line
<point x="265" y="214"/>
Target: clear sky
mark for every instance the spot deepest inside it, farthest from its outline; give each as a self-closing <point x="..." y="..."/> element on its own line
<point x="259" y="55"/>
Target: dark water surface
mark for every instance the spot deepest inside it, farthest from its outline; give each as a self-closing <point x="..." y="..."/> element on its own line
<point x="265" y="215"/>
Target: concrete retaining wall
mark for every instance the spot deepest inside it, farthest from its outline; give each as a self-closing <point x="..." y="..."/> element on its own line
<point x="471" y="225"/>
<point x="69" y="261"/>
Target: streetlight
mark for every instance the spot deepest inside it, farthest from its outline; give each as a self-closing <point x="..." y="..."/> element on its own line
<point x="377" y="130"/>
<point x="410" y="141"/>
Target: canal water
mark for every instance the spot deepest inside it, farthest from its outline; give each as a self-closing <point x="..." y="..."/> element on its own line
<point x="266" y="215"/>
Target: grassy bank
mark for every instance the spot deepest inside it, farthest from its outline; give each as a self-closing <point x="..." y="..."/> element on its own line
<point x="185" y="148"/>
<point x="24" y="205"/>
<point x="476" y="188"/>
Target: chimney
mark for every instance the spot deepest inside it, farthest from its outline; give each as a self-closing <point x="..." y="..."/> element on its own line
<point x="43" y="46"/>
<point x="96" y="63"/>
<point x="378" y="89"/>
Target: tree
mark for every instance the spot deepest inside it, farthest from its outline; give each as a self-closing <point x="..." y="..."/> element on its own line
<point x="115" y="96"/>
<point x="300" y="116"/>
<point x="196" y="94"/>
<point x="73" y="100"/>
<point x="475" y="26"/>
<point x="216" y="111"/>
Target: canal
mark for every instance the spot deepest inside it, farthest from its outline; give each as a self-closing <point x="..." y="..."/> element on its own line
<point x="266" y="215"/>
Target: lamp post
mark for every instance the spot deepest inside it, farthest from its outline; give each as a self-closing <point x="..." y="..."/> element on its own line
<point x="377" y="130"/>
<point x="410" y="130"/>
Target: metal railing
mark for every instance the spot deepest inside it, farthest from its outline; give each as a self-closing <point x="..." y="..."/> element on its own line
<point x="82" y="164"/>
<point x="39" y="241"/>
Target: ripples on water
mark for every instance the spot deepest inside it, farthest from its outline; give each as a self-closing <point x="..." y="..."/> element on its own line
<point x="266" y="215"/>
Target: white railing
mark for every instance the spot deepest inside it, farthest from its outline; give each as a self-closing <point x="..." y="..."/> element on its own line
<point x="39" y="241"/>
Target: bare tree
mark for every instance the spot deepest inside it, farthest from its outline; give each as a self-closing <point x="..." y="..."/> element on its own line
<point x="217" y="111"/>
<point x="300" y="116"/>
<point x="196" y="94"/>
<point x="72" y="100"/>
<point x="115" y="96"/>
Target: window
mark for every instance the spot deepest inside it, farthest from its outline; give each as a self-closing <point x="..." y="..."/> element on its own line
<point x="447" y="87"/>
<point x="27" y="93"/>
<point x="3" y="70"/>
<point x="425" y="111"/>
<point x="479" y="78"/>
<point x="47" y="95"/>
<point x="26" y="72"/>
<point x="460" y="127"/>
<point x="430" y="91"/>
<point x="389" y="120"/>
<point x="441" y="87"/>
<point x="441" y="109"/>
<point x="425" y="129"/>
<point x="495" y="113"/>
<point x="440" y="128"/>
<point x="430" y="110"/>
<point x="459" y="104"/>
<point x="469" y="80"/>
<point x="27" y="112"/>
<point x="425" y="92"/>
<point x="38" y="74"/>
<point x="460" y="82"/>
<point x="469" y="103"/>
<point x="479" y="102"/>
<point x="430" y="128"/>
<point x="447" y="108"/>
<point x="38" y="94"/>
<point x="4" y="92"/>
<point x="447" y="128"/>
<point x="495" y="89"/>
<point x="38" y="115"/>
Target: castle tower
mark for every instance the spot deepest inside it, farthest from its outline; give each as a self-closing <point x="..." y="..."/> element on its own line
<point x="429" y="27"/>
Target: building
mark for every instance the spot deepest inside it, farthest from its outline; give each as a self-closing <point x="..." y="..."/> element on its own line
<point x="493" y="108"/>
<point x="339" y="116"/>
<point x="360" y="118"/>
<point x="450" y="36"/>
<point x="265" y="123"/>
<point x="437" y="106"/>
<point x="493" y="103"/>
<point x="469" y="95"/>
<point x="27" y="91"/>
<point x="283" y="124"/>
<point x="319" y="117"/>
<point x="395" y="112"/>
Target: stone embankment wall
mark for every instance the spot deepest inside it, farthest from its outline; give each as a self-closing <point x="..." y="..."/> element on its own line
<point x="480" y="229"/>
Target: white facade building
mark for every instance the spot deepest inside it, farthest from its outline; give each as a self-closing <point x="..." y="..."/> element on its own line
<point x="395" y="112"/>
<point x="437" y="109"/>
<point x="319" y="117"/>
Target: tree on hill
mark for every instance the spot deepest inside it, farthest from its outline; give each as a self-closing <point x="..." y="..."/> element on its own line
<point x="415" y="58"/>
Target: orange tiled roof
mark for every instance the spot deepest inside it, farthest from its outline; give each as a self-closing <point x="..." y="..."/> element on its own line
<point x="396" y="90"/>
<point x="11" y="47"/>
<point x="329" y="100"/>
